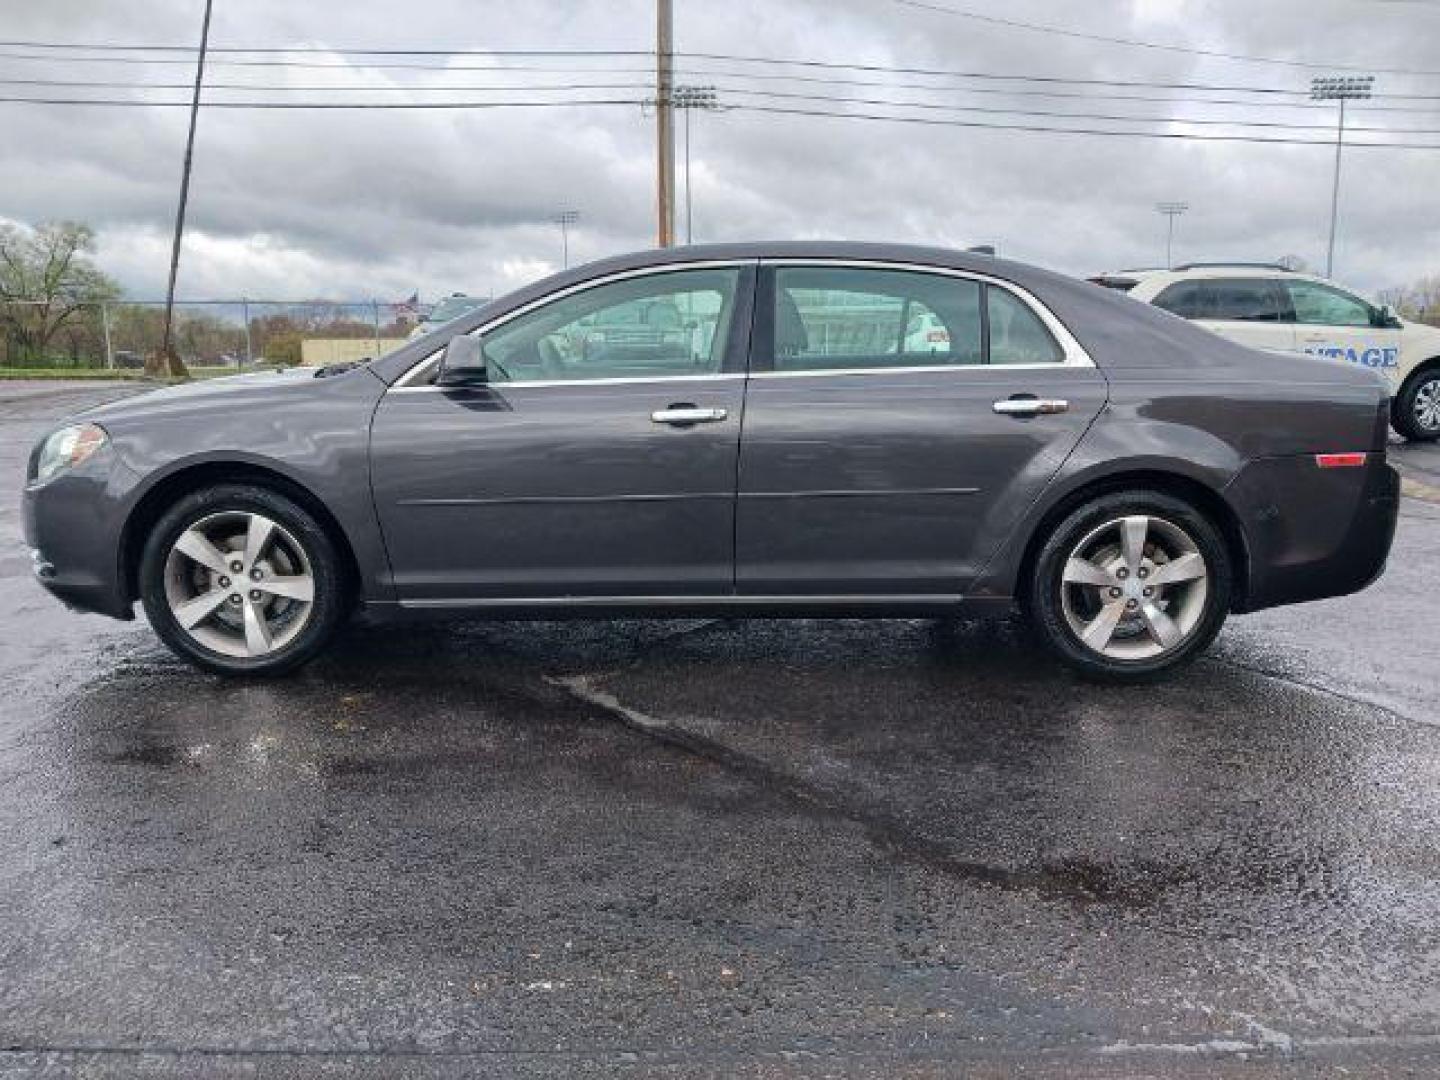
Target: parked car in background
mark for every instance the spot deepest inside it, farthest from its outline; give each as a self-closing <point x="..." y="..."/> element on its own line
<point x="452" y="307"/>
<point x="1125" y="477"/>
<point x="1269" y="307"/>
<point x="925" y="333"/>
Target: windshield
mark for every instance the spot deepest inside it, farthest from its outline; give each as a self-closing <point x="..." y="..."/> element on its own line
<point x="452" y="307"/>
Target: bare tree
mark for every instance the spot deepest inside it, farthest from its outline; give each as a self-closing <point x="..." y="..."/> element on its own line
<point x="1418" y="301"/>
<point x="49" y="281"/>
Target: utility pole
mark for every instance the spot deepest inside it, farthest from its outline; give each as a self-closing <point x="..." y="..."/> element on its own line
<point x="691" y="98"/>
<point x="664" y="122"/>
<point x="1171" y="210"/>
<point x="565" y="218"/>
<point x="1340" y="88"/>
<point x="171" y="359"/>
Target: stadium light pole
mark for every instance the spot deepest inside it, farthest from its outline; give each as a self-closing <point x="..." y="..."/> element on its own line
<point x="1171" y="210"/>
<point x="565" y="218"/>
<point x="1341" y="88"/>
<point x="690" y="98"/>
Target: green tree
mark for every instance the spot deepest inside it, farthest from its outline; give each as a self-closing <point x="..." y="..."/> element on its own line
<point x="48" y="268"/>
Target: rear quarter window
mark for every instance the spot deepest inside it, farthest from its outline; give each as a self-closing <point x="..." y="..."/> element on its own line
<point x="1230" y="299"/>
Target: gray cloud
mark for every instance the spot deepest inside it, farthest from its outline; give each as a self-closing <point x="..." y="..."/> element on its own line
<point x="378" y="203"/>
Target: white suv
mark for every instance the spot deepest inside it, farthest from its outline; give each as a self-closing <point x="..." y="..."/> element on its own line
<point x="1268" y="307"/>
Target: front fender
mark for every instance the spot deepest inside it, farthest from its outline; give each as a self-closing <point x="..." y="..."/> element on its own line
<point x="315" y="436"/>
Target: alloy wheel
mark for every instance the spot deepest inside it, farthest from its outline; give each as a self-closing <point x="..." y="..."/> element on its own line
<point x="1425" y="406"/>
<point x="239" y="584"/>
<point x="1134" y="587"/>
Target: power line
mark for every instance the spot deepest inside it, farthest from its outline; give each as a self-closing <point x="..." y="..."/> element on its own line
<point x="729" y="90"/>
<point x="279" y="88"/>
<point x="764" y="109"/>
<point x="1016" y="24"/>
<point x="596" y="54"/>
<point x="1052" y="114"/>
<point x="359" y="105"/>
<point x="748" y="76"/>
<point x="821" y="65"/>
<point x="982" y="125"/>
<point x="304" y="49"/>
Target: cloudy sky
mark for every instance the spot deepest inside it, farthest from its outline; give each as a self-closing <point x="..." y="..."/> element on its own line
<point x="354" y="204"/>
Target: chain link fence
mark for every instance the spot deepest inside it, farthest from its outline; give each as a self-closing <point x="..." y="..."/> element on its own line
<point x="219" y="334"/>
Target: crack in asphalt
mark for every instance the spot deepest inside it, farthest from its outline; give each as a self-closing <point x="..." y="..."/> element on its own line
<point x="1300" y="684"/>
<point x="1067" y="880"/>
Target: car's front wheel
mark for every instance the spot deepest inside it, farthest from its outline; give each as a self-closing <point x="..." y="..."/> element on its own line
<point x="1130" y="585"/>
<point x="241" y="580"/>
<point x="1417" y="407"/>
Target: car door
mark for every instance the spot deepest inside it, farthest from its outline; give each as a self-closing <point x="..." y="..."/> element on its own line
<point x="1336" y="325"/>
<point x="597" y="460"/>
<point x="1250" y="311"/>
<point x="878" y="462"/>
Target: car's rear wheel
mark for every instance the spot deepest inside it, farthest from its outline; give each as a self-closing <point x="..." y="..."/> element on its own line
<point x="242" y="581"/>
<point x="1417" y="407"/>
<point x="1130" y="585"/>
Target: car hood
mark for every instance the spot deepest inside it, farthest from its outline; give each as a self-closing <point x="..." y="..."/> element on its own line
<point x="1422" y="336"/>
<point x="207" y="391"/>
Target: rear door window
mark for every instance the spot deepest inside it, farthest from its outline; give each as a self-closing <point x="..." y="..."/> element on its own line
<point x="847" y="318"/>
<point x="1185" y="298"/>
<point x="1229" y="299"/>
<point x="1244" y="300"/>
<point x="842" y="318"/>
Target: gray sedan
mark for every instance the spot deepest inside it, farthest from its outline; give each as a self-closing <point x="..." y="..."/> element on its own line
<point x="800" y="429"/>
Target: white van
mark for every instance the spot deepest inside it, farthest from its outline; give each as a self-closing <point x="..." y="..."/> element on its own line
<point x="1268" y="307"/>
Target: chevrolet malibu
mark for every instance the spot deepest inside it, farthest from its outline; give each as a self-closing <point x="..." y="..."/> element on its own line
<point x="787" y="447"/>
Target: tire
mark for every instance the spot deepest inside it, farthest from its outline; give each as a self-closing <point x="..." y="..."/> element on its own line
<point x="186" y="571"/>
<point x="1416" y="411"/>
<point x="1149" y="634"/>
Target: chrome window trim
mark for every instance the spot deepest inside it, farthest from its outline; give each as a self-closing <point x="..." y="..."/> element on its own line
<point x="412" y="379"/>
<point x="1075" y="354"/>
<point x="533" y="384"/>
<point x="928" y="369"/>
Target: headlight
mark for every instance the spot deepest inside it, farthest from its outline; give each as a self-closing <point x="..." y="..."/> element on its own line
<point x="67" y="448"/>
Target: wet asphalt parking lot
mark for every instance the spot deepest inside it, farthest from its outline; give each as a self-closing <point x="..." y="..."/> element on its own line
<point x="745" y="848"/>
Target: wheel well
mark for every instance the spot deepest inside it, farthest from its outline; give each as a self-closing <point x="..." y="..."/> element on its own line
<point x="176" y="486"/>
<point x="1204" y="499"/>
<point x="1420" y="369"/>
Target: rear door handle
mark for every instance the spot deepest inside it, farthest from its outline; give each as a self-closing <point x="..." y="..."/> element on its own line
<point x="688" y="414"/>
<point x="1031" y="406"/>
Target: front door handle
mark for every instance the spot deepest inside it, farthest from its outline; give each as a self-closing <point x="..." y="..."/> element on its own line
<point x="1031" y="406"/>
<point x="688" y="414"/>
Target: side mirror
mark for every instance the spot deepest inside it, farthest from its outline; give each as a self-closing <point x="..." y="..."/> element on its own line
<point x="462" y="363"/>
<point x="1388" y="318"/>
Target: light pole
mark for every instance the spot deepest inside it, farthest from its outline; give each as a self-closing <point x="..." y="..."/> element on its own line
<point x="565" y="218"/>
<point x="1171" y="210"/>
<point x="1341" y="88"/>
<point x="690" y="98"/>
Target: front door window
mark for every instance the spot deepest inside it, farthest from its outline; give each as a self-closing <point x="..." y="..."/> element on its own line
<point x="650" y="327"/>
